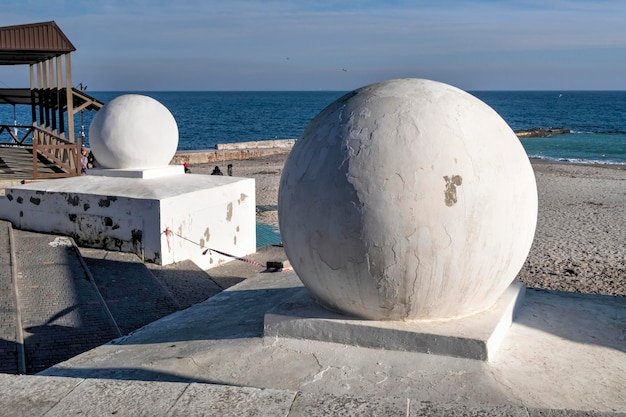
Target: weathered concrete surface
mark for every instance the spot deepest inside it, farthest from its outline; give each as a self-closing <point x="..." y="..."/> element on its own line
<point x="475" y="337"/>
<point x="564" y="351"/>
<point x="162" y="220"/>
<point x="32" y="396"/>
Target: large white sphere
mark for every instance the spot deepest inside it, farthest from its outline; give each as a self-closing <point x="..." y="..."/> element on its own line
<point x="407" y="199"/>
<point x="133" y="132"/>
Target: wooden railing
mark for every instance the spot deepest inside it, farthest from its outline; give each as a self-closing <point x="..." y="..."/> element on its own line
<point x="63" y="153"/>
<point x="14" y="133"/>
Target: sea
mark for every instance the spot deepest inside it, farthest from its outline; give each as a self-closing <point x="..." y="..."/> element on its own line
<point x="596" y="119"/>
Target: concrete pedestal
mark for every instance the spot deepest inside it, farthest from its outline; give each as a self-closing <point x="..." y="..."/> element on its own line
<point x="138" y="173"/>
<point x="474" y="337"/>
<point x="162" y="215"/>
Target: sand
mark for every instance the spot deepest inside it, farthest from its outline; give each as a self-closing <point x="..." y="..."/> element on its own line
<point x="580" y="242"/>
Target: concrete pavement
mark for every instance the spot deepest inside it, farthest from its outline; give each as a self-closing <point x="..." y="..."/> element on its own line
<point x="564" y="351"/>
<point x="565" y="354"/>
<point x="55" y="396"/>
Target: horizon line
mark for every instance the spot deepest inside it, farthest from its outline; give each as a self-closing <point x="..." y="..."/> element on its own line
<point x="340" y="91"/>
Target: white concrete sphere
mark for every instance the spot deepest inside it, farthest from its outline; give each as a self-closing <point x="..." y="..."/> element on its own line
<point x="406" y="200"/>
<point x="133" y="131"/>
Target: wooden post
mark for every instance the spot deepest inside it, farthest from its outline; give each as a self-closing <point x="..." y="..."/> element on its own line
<point x="53" y="96"/>
<point x="59" y="84"/>
<point x="38" y="123"/>
<point x="70" y="99"/>
<point x="40" y="95"/>
<point x="32" y="96"/>
<point x="33" y="116"/>
<point x="46" y="94"/>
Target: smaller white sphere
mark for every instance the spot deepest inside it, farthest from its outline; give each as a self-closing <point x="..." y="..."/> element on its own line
<point x="133" y="132"/>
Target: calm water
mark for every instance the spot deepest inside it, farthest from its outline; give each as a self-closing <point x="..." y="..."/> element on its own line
<point x="597" y="119"/>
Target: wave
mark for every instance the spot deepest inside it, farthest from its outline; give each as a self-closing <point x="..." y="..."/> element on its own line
<point x="577" y="160"/>
<point x="599" y="132"/>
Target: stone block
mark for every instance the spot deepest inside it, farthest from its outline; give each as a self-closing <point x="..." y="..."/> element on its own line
<point x="474" y="337"/>
<point x="163" y="219"/>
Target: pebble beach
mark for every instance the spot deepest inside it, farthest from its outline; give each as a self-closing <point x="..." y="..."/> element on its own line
<point x="580" y="241"/>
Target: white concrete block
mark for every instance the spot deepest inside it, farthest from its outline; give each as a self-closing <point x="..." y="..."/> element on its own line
<point x="138" y="173"/>
<point x="161" y="219"/>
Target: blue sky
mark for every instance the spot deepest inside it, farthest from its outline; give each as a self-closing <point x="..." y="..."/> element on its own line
<point x="139" y="45"/>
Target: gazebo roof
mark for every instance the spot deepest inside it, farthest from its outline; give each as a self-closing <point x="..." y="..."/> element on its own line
<point x="32" y="43"/>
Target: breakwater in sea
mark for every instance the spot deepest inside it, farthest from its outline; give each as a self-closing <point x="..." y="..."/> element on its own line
<point x="234" y="151"/>
<point x="541" y="132"/>
<point x="253" y="149"/>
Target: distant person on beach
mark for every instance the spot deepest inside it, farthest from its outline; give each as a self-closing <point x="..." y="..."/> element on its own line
<point x="84" y="161"/>
<point x="216" y="171"/>
<point x="187" y="169"/>
<point x="91" y="161"/>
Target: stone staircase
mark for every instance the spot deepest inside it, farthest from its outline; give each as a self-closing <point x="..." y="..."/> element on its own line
<point x="59" y="300"/>
<point x="62" y="313"/>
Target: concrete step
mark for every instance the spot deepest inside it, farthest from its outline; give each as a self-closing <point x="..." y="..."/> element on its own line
<point x="133" y="294"/>
<point x="62" y="313"/>
<point x="184" y="282"/>
<point x="75" y="299"/>
<point x="10" y="340"/>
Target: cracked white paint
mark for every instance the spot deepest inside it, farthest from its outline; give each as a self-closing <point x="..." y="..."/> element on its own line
<point x="407" y="199"/>
<point x="133" y="215"/>
<point x="61" y="241"/>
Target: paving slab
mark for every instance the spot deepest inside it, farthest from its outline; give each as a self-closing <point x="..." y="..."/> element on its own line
<point x="313" y="405"/>
<point x="95" y="397"/>
<point x="219" y="400"/>
<point x="429" y="409"/>
<point x="28" y="396"/>
<point x="33" y="396"/>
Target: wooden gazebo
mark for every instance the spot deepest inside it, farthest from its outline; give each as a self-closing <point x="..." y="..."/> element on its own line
<point x="53" y="100"/>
